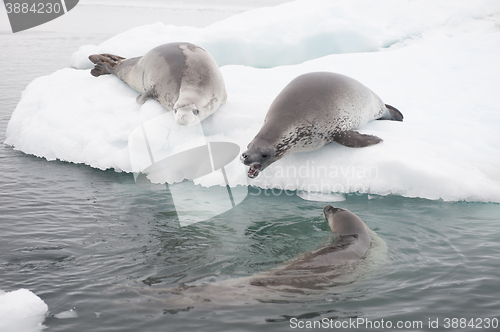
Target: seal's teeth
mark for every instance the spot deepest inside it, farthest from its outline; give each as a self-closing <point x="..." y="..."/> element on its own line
<point x="254" y="170"/>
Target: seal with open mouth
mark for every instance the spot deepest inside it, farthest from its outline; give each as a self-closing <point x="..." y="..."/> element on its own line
<point x="313" y="110"/>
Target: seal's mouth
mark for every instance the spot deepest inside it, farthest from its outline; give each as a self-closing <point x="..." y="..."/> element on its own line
<point x="254" y="170"/>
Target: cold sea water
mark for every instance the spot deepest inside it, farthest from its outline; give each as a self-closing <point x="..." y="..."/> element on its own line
<point x="96" y="242"/>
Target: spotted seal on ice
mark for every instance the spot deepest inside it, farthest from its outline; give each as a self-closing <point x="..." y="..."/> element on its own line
<point x="313" y="110"/>
<point x="182" y="77"/>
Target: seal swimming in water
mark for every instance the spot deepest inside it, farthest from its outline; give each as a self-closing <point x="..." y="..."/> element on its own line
<point x="182" y="77"/>
<point x="354" y="251"/>
<point x="313" y="110"/>
<point x="316" y="269"/>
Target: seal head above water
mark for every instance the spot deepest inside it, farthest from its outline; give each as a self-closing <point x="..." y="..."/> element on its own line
<point x="319" y="267"/>
<point x="354" y="251"/>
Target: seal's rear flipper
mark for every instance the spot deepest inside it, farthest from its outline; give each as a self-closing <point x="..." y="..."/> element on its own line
<point x="391" y="113"/>
<point x="109" y="58"/>
<point x="104" y="63"/>
<point x="100" y="69"/>
<point x="353" y="139"/>
<point x="149" y="94"/>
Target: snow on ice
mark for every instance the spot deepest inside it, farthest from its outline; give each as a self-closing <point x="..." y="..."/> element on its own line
<point x="434" y="60"/>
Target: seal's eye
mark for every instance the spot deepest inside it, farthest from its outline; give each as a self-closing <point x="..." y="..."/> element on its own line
<point x="196" y="112"/>
<point x="175" y="110"/>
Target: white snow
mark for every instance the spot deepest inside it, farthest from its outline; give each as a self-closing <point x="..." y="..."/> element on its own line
<point x="21" y="310"/>
<point x="300" y="30"/>
<point x="434" y="60"/>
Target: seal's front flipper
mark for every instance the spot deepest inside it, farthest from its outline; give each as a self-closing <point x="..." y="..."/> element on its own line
<point x="353" y="139"/>
<point x="391" y="113"/>
<point x="149" y="94"/>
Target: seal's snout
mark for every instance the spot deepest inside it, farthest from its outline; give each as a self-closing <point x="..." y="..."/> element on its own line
<point x="329" y="212"/>
<point x="249" y="157"/>
<point x="257" y="159"/>
<point x="249" y="160"/>
<point x="181" y="119"/>
<point x="254" y="161"/>
<point x="328" y="209"/>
